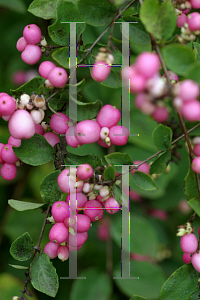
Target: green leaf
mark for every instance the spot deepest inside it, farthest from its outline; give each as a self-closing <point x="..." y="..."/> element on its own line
<point x="137" y="32"/>
<point x="15" y="5"/>
<point x="92" y="159"/>
<point x="196" y="51"/>
<point x="137" y="298"/>
<point x="49" y="189"/>
<point x="96" y="13"/>
<point x="178" y="58"/>
<point x="182" y="284"/>
<point x="56" y="104"/>
<point x="18" y="267"/>
<point x="132" y="10"/>
<point x="159" y="19"/>
<point x="190" y="185"/>
<point x="59" y="32"/>
<point x="43" y="275"/>
<point x="117" y="193"/>
<point x="160" y="164"/>
<point x="35" y="151"/>
<point x="89" y="289"/>
<point x="29" y="87"/>
<point x="195" y="205"/>
<point x="109" y="173"/>
<point x="22" y="248"/>
<point x="194" y="72"/>
<point x="22" y="205"/>
<point x="86" y="111"/>
<point x="45" y="9"/>
<point x="61" y="54"/>
<point x="162" y="136"/>
<point x="144" y="181"/>
<point x="118" y="158"/>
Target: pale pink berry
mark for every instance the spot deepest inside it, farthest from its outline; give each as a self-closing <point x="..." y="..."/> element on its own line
<point x="196" y="261"/>
<point x="100" y="71"/>
<point x="142" y="168"/>
<point x="45" y="68"/>
<point x="21" y="44"/>
<point x="195" y="4"/>
<point x="31" y="54"/>
<point x="196" y="164"/>
<point x="191" y="110"/>
<point x="78" y="239"/>
<point x="181" y="20"/>
<point x="59" y="123"/>
<point x="58" y="77"/>
<point x="93" y="210"/>
<point x="67" y="185"/>
<point x="156" y="86"/>
<point x="104" y="132"/>
<point x="51" y="138"/>
<point x="112" y="206"/>
<point x="7" y="105"/>
<point x="32" y="34"/>
<point x="189" y="243"/>
<point x="147" y="64"/>
<point x="8" y="154"/>
<point x="19" y="77"/>
<point x="80" y="223"/>
<point x="104" y="191"/>
<point x="108" y="116"/>
<point x="147" y="108"/>
<point x="119" y="135"/>
<point x="21" y="125"/>
<point x="88" y="131"/>
<point x="137" y="83"/>
<point x="8" y="171"/>
<point x="188" y="90"/>
<point x="141" y="98"/>
<point x="86" y="187"/>
<point x="84" y="171"/>
<point x="63" y="253"/>
<point x="37" y="115"/>
<point x="51" y="250"/>
<point x="39" y="129"/>
<point x="58" y="233"/>
<point x="186" y="258"/>
<point x="79" y="197"/>
<point x="193" y="21"/>
<point x="158" y="213"/>
<point x="160" y="114"/>
<point x="60" y="211"/>
<point x="103" y="232"/>
<point x="71" y="138"/>
<point x="172" y="76"/>
<point x="197" y="150"/>
<point x="1" y="160"/>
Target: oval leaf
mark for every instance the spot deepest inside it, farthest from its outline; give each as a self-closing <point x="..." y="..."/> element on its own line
<point x="144" y="181"/>
<point x="22" y="249"/>
<point x="109" y="173"/>
<point x="92" y="159"/>
<point x="35" y="151"/>
<point x="160" y="164"/>
<point x="194" y="72"/>
<point x="195" y="205"/>
<point x="162" y="137"/>
<point x="117" y="193"/>
<point x="118" y="158"/>
<point x="18" y="267"/>
<point x="43" y="9"/>
<point x="29" y="87"/>
<point x="43" y="275"/>
<point x="22" y="205"/>
<point x="49" y="189"/>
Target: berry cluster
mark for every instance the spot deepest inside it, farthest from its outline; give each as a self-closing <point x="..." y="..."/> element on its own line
<point x="69" y="223"/>
<point x="55" y="76"/>
<point x="144" y="80"/>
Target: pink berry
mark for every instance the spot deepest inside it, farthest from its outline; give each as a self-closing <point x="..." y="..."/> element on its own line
<point x="8" y="171"/>
<point x="81" y="200"/>
<point x="58" y="233"/>
<point x="84" y="171"/>
<point x="45" y="68"/>
<point x="59" y="123"/>
<point x="142" y="168"/>
<point x="31" y="54"/>
<point x="21" y="125"/>
<point x="21" y="44"/>
<point x="196" y="164"/>
<point x="100" y="71"/>
<point x="65" y="185"/>
<point x="158" y="213"/>
<point x="63" y="253"/>
<point x="37" y="115"/>
<point x="193" y="21"/>
<point x="119" y="135"/>
<point x="147" y="64"/>
<point x="71" y="138"/>
<point x="197" y="149"/>
<point x="88" y="131"/>
<point x="51" y="250"/>
<point x="51" y="138"/>
<point x="103" y="233"/>
<point x="112" y="206"/>
<point x="181" y="20"/>
<point x="82" y="222"/>
<point x="58" y="77"/>
<point x="93" y="210"/>
<point x="186" y="258"/>
<point x="1" y="160"/>
<point x="8" y="154"/>
<point x="137" y="83"/>
<point x="19" y="77"/>
<point x="172" y="76"/>
<point x="188" y="90"/>
<point x="160" y="114"/>
<point x="103" y="144"/>
<point x="191" y="110"/>
<point x="108" y="116"/>
<point x="7" y="105"/>
<point x="60" y="211"/>
<point x="39" y="129"/>
<point x="195" y="4"/>
<point x="196" y="261"/>
<point x="32" y="34"/>
<point x="78" y="239"/>
<point x="189" y="243"/>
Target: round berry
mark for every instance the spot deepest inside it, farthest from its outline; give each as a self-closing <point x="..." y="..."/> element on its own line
<point x="119" y="135"/>
<point x="58" y="233"/>
<point x="100" y="71"/>
<point x="108" y="116"/>
<point x="147" y="64"/>
<point x="31" y="54"/>
<point x="51" y="138"/>
<point x="189" y="243"/>
<point x="21" y="125"/>
<point x="21" y="44"/>
<point x="51" y="249"/>
<point x="45" y="68"/>
<point x="93" y="210"/>
<point x="58" y="77"/>
<point x="7" y="105"/>
<point x="8" y="171"/>
<point x="88" y="131"/>
<point x="32" y="34"/>
<point x="84" y="171"/>
<point x="60" y="211"/>
<point x="59" y="123"/>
